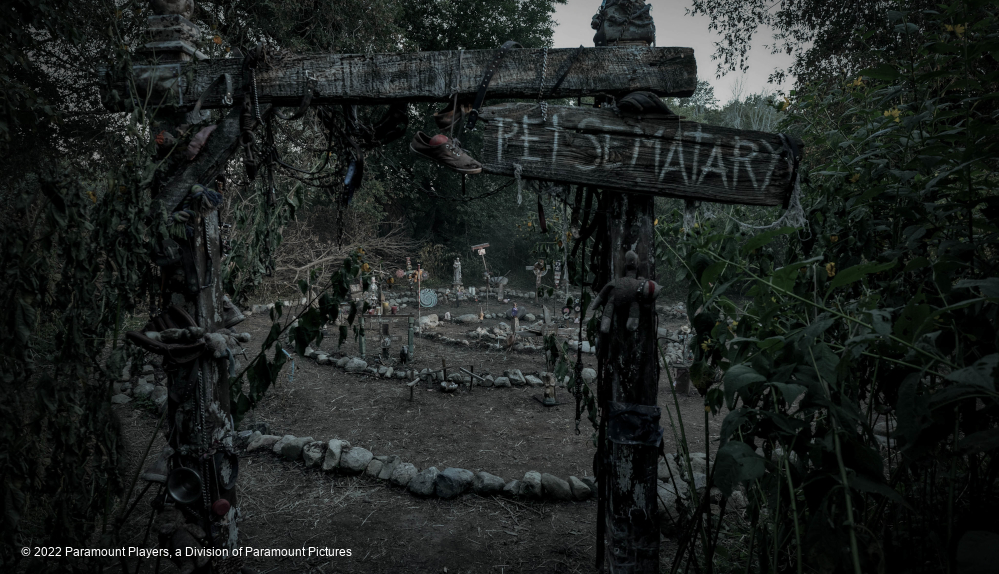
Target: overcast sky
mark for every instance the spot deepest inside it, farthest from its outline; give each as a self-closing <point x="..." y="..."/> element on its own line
<point x="675" y="28"/>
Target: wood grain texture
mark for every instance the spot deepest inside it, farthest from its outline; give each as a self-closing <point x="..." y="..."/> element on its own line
<point x="436" y="76"/>
<point x="663" y="157"/>
<point x="629" y="369"/>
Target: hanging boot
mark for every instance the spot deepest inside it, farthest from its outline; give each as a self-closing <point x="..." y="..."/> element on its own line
<point x="231" y="315"/>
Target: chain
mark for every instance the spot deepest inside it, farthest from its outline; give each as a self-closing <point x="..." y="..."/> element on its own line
<point x="256" y="101"/>
<point x="541" y="85"/>
<point x="202" y="431"/>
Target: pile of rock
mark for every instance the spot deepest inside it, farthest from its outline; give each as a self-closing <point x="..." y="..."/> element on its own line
<point x="673" y="311"/>
<point x="149" y="385"/>
<point x="341" y="457"/>
<point x="677" y="345"/>
<point x="679" y="491"/>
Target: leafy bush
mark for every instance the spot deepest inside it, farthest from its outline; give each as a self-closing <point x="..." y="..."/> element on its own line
<point x="883" y="311"/>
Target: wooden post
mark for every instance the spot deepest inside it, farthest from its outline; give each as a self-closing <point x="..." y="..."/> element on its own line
<point x="198" y="422"/>
<point x="361" y="347"/>
<point x="410" y="340"/>
<point x="629" y="374"/>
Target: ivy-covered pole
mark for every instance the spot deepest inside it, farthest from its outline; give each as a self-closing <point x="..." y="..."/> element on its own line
<point x="199" y="507"/>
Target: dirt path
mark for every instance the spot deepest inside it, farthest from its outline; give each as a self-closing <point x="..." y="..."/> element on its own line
<point x="503" y="431"/>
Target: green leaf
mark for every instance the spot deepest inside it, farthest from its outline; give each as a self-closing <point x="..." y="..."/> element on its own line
<point x="738" y="377"/>
<point x="881" y="72"/>
<point x="775" y="343"/>
<point x="789" y="390"/>
<point x="711" y="274"/>
<point x="989" y="287"/>
<point x="736" y="463"/>
<point x="980" y="374"/>
<point x="981" y="441"/>
<point x="764" y="238"/>
<point x="855" y="273"/>
<point x="866" y="484"/>
<point x="910" y="323"/>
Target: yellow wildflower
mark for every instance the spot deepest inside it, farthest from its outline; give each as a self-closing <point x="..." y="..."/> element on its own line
<point x="854" y="178"/>
<point x="892" y="113"/>
<point x="365" y="268"/>
<point x="656" y="222"/>
<point x="786" y="104"/>
<point x="831" y="269"/>
<point x="957" y="29"/>
<point x="858" y="82"/>
<point x="834" y="238"/>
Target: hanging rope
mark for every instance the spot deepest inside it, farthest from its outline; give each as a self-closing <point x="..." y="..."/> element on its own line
<point x="517" y="170"/>
<point x="689" y="213"/>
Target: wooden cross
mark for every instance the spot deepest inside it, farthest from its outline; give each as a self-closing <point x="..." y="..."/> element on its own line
<point x="585" y="146"/>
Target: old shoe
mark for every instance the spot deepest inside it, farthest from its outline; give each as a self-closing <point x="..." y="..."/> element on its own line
<point x="446" y="152"/>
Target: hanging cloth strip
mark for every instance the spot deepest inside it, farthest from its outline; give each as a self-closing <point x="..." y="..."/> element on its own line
<point x="226" y="96"/>
<point x="473" y="116"/>
<point x="568" y="67"/>
<point x="304" y="105"/>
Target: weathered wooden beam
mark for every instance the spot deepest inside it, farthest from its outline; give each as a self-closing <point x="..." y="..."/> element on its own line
<point x="437" y="76"/>
<point x="663" y="157"/>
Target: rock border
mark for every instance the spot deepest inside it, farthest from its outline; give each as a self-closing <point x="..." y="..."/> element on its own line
<point x="339" y="457"/>
<point x="510" y="377"/>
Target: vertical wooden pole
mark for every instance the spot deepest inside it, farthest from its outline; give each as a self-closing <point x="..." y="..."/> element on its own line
<point x="199" y="425"/>
<point x="629" y="374"/>
<point x="410" y="340"/>
<point x="361" y="346"/>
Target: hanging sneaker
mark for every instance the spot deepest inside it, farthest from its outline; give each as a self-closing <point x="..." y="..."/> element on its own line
<point x="444" y="151"/>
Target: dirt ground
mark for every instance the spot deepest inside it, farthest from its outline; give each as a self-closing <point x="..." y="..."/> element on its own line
<point x="502" y="431"/>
